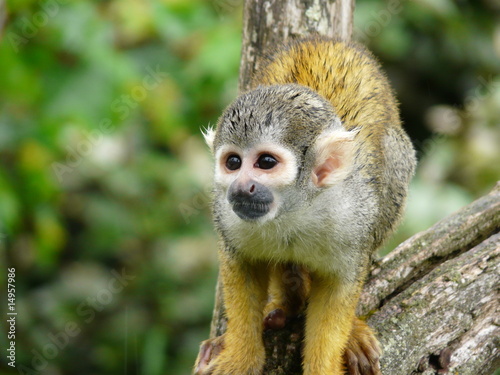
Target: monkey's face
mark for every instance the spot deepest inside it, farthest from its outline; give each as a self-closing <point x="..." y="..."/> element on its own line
<point x="253" y="180"/>
<point x="275" y="148"/>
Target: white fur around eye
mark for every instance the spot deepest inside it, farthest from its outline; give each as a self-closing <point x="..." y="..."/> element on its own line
<point x="221" y="175"/>
<point x="285" y="172"/>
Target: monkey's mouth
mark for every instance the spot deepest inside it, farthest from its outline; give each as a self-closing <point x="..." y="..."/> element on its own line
<point x="251" y="210"/>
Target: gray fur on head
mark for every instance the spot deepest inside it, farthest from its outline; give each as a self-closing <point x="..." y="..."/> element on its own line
<point x="292" y="115"/>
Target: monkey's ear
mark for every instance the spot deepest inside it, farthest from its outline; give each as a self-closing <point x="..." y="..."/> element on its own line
<point x="334" y="157"/>
<point x="209" y="135"/>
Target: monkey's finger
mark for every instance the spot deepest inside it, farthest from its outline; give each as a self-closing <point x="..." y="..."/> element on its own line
<point x="369" y="363"/>
<point x="359" y="364"/>
<point x="351" y="361"/>
<point x="204" y="357"/>
<point x="371" y="351"/>
<point x="364" y="364"/>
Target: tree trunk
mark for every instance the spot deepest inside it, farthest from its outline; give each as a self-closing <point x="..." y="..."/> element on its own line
<point x="434" y="300"/>
<point x="269" y="23"/>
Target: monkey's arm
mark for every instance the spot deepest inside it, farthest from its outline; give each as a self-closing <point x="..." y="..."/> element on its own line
<point x="245" y="295"/>
<point x="329" y="321"/>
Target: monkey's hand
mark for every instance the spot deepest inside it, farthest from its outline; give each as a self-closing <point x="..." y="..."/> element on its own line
<point x="214" y="359"/>
<point x="275" y="318"/>
<point x="361" y="356"/>
<point x="362" y="353"/>
<point x="209" y="350"/>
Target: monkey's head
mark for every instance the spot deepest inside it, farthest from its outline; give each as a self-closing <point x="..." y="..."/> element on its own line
<point x="275" y="148"/>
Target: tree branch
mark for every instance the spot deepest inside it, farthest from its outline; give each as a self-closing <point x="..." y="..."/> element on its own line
<point x="436" y="295"/>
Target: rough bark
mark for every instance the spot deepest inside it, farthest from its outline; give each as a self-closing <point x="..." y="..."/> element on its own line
<point x="434" y="300"/>
<point x="437" y="296"/>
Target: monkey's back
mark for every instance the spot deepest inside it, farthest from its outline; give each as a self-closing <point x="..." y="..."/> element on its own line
<point x="346" y="74"/>
<point x="350" y="78"/>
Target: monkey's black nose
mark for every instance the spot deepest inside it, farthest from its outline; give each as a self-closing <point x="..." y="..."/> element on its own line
<point x="250" y="200"/>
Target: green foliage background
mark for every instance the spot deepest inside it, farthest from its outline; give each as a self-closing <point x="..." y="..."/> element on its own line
<point x="105" y="180"/>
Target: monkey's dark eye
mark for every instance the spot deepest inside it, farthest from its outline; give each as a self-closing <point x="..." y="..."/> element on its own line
<point x="233" y="162"/>
<point x="266" y="161"/>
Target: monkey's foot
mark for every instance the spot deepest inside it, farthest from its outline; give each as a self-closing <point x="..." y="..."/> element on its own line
<point x="363" y="352"/>
<point x="209" y="349"/>
<point x="276" y="319"/>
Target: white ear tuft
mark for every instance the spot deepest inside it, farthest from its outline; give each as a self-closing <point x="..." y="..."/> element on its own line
<point x="209" y="135"/>
<point x="334" y="157"/>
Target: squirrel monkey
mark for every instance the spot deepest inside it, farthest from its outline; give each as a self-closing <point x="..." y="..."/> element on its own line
<point x="312" y="169"/>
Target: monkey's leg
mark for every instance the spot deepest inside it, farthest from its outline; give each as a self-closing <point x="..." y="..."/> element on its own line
<point x="329" y="320"/>
<point x="245" y="292"/>
<point x="288" y="289"/>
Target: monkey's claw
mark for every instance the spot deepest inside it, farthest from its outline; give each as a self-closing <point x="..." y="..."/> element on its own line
<point x="362" y="353"/>
<point x="209" y="350"/>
